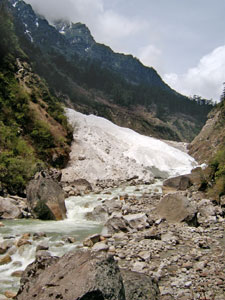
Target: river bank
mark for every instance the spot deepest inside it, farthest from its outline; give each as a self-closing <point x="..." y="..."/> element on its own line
<point x="20" y="240"/>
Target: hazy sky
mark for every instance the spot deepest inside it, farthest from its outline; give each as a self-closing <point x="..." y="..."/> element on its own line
<point x="184" y="40"/>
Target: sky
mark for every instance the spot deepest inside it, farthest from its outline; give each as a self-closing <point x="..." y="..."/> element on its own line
<point x="184" y="40"/>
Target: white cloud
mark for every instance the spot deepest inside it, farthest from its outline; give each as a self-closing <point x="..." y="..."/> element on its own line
<point x="205" y="79"/>
<point x="151" y="56"/>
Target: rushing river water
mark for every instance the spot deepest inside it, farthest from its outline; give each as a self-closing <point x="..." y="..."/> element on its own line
<point x="76" y="226"/>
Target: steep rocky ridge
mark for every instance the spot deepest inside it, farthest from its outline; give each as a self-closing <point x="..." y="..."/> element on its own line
<point x="91" y="78"/>
<point x="212" y="136"/>
<point x="209" y="147"/>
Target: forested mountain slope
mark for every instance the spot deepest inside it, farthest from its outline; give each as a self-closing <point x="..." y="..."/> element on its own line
<point x="34" y="132"/>
<point x="91" y="78"/>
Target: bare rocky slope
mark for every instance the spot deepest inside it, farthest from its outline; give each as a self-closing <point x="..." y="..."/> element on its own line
<point x="212" y="136"/>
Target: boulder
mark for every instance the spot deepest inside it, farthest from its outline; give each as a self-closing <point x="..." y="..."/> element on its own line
<point x="178" y="183"/>
<point x="5" y="245"/>
<point x="136" y="221"/>
<point x="5" y="260"/>
<point x="46" y="198"/>
<point x="91" y="240"/>
<point x="176" y="208"/>
<point x="10" y="294"/>
<point x="206" y="208"/>
<point x="82" y="275"/>
<point x="116" y="223"/>
<point x="112" y="205"/>
<point x="139" y="286"/>
<point x="9" y="209"/>
<point x="98" y="214"/>
<point x="101" y="246"/>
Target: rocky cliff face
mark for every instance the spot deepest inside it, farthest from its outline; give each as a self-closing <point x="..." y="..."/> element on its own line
<point x="212" y="136"/>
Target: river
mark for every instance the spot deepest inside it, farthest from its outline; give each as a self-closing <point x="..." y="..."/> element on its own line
<point x="76" y="225"/>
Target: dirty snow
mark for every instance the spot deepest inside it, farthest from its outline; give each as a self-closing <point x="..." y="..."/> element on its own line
<point x="104" y="151"/>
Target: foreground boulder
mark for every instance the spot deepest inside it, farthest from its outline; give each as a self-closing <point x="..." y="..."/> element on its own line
<point x="46" y="198"/>
<point x="84" y="275"/>
<point x="79" y="275"/>
<point x="177" y="208"/>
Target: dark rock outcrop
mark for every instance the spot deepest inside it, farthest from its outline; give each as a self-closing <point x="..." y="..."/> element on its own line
<point x="45" y="197"/>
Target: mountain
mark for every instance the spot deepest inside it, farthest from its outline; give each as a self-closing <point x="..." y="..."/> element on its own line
<point x="91" y="78"/>
<point x="34" y="132"/>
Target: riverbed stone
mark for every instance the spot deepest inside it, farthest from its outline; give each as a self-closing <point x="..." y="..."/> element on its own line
<point x="136" y="221"/>
<point x="5" y="245"/>
<point x="46" y="198"/>
<point x="116" y="223"/>
<point x="9" y="209"/>
<point x="101" y="246"/>
<point x="5" y="260"/>
<point x="139" y="286"/>
<point x="91" y="240"/>
<point x="42" y="246"/>
<point x="99" y="214"/>
<point x="176" y="208"/>
<point x="10" y="294"/>
<point x="23" y="241"/>
<point x="17" y="274"/>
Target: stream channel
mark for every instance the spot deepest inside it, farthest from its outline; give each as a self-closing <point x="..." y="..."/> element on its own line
<point x="76" y="226"/>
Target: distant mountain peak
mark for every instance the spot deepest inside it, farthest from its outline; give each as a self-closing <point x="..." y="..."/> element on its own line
<point x="74" y="32"/>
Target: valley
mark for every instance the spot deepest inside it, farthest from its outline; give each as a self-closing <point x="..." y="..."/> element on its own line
<point x="112" y="184"/>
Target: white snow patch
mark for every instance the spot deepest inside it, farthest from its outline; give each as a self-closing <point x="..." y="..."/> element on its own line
<point x="30" y="36"/>
<point x="104" y="151"/>
<point x="37" y="24"/>
<point x="15" y="4"/>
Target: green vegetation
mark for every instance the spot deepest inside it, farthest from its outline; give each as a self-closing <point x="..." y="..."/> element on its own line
<point x="27" y="139"/>
<point x="216" y="178"/>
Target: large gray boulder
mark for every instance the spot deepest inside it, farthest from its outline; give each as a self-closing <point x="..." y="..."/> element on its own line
<point x="9" y="209"/>
<point x="79" y="275"/>
<point x="116" y="223"/>
<point x="45" y="197"/>
<point x="177" y="208"/>
<point x="178" y="183"/>
<point x="84" y="275"/>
